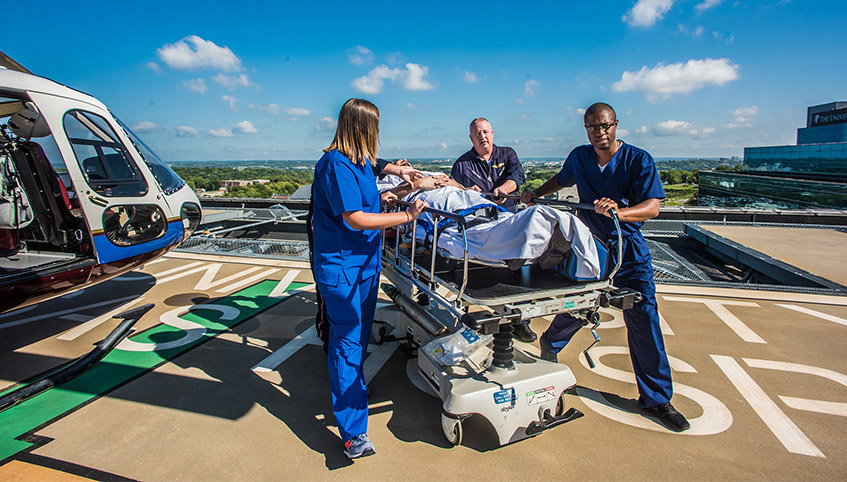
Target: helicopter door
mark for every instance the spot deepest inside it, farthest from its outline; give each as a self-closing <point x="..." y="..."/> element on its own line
<point x="121" y="200"/>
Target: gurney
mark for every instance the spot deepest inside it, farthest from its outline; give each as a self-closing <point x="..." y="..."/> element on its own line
<point x="437" y="297"/>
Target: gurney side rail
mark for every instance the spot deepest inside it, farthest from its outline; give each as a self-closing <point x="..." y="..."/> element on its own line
<point x="462" y="225"/>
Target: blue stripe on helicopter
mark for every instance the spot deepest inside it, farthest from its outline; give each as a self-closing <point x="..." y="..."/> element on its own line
<point x="108" y="252"/>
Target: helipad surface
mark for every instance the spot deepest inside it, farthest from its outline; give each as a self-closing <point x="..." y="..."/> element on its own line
<point x="240" y="390"/>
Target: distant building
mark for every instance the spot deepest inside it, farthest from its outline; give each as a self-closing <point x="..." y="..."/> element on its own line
<point x="812" y="174"/>
<point x="241" y="182"/>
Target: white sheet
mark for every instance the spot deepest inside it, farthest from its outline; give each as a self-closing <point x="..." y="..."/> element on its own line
<point x="523" y="235"/>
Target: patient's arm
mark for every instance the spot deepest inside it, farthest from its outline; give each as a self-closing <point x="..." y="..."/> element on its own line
<point x="424" y="184"/>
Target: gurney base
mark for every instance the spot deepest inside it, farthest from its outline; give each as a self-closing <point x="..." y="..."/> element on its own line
<point x="519" y="402"/>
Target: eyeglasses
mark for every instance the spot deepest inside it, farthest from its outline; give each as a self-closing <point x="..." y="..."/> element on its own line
<point x="602" y="127"/>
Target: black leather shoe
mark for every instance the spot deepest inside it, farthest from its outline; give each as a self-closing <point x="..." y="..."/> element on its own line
<point x="524" y="333"/>
<point x="547" y="351"/>
<point x="669" y="416"/>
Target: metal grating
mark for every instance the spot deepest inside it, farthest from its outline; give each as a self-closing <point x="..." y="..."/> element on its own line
<point x="264" y="248"/>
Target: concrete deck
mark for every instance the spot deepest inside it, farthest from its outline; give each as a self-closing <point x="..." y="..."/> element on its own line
<point x="243" y="393"/>
<point x="822" y="252"/>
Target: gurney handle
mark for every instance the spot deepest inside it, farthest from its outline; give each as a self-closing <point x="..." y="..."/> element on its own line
<point x="446" y="214"/>
<point x="551" y="202"/>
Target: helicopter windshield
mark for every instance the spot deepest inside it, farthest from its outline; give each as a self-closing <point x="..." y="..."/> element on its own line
<point x="165" y="176"/>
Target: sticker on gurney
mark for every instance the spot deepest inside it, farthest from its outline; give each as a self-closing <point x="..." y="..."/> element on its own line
<point x="505" y="396"/>
<point x="541" y="395"/>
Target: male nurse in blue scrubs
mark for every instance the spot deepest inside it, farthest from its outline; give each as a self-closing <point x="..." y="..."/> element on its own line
<point x="614" y="175"/>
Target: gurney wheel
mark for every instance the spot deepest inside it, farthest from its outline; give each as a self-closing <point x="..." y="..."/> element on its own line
<point x="452" y="428"/>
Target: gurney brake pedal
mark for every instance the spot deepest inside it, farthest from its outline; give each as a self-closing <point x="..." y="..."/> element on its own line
<point x="549" y="421"/>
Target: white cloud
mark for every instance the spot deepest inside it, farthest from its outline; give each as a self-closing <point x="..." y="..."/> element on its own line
<point x="231" y="82"/>
<point x="276" y="110"/>
<point x="663" y="80"/>
<point x="196" y="85"/>
<point x="412" y="78"/>
<point x="443" y="145"/>
<point x="697" y="32"/>
<point x="547" y="139"/>
<point x="325" y="124"/>
<point x="145" y="126"/>
<point x="719" y="36"/>
<point x="246" y="127"/>
<point x="531" y="88"/>
<point x="192" y="53"/>
<point x="743" y="114"/>
<point x="154" y="67"/>
<point x="231" y="101"/>
<point x="681" y="128"/>
<point x="672" y="127"/>
<point x="641" y="130"/>
<point x="221" y="133"/>
<point x="471" y="77"/>
<point x="622" y="132"/>
<point x="360" y="55"/>
<point x="707" y="4"/>
<point x="185" y="131"/>
<point x="645" y="13"/>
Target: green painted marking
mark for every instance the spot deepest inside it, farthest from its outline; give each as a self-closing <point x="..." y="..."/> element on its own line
<point x="120" y="366"/>
<point x="568" y="305"/>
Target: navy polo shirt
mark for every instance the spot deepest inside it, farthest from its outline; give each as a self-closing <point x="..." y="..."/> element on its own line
<point x="341" y="186"/>
<point x="629" y="179"/>
<point x="469" y="170"/>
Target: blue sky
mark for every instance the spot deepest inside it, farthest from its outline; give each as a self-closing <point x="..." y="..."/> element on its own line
<point x="253" y="80"/>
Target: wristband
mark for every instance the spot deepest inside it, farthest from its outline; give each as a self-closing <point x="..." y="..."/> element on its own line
<point x="408" y="217"/>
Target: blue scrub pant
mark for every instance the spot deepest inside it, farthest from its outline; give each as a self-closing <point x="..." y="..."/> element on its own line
<point x="644" y="334"/>
<point x="350" y="309"/>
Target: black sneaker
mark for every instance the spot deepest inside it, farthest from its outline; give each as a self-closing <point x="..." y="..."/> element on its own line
<point x="524" y="333"/>
<point x="669" y="416"/>
<point x="547" y="352"/>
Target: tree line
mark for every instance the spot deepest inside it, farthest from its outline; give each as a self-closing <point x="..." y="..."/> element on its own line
<point x="286" y="181"/>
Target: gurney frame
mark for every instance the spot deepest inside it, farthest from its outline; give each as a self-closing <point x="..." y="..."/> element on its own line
<point x="520" y="394"/>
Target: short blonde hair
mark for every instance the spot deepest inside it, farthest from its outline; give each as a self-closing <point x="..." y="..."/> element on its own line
<point x="357" y="133"/>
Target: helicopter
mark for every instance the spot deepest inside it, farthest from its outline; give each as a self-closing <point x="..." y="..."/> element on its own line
<point x="82" y="198"/>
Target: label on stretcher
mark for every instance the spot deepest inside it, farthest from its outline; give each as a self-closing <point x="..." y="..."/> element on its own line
<point x="541" y="395"/>
<point x="505" y="396"/>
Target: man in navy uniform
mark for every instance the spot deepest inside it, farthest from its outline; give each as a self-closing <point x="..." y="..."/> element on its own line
<point x="494" y="169"/>
<point x="614" y="175"/>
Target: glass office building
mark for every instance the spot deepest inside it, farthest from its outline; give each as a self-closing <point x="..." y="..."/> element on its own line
<point x="812" y="174"/>
<point x="733" y="189"/>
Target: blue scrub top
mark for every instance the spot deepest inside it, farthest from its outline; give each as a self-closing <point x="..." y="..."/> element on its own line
<point x="630" y="178"/>
<point x="341" y="186"/>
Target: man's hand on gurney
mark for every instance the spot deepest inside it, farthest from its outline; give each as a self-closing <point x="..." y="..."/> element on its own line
<point x="603" y="205"/>
<point x="528" y="196"/>
<point x="500" y="195"/>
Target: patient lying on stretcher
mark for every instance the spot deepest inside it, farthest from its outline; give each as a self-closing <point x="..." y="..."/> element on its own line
<point x="538" y="234"/>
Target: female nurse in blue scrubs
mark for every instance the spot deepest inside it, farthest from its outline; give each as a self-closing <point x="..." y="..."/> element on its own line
<point x="347" y="223"/>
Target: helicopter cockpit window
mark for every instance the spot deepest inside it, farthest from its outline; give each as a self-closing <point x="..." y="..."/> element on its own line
<point x="105" y="162"/>
<point x="130" y="225"/>
<point x="166" y="177"/>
